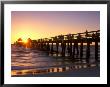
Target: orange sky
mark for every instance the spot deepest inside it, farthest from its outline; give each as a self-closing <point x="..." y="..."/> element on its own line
<point x="43" y="24"/>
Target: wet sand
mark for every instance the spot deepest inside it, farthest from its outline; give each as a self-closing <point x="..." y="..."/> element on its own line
<point x="83" y="72"/>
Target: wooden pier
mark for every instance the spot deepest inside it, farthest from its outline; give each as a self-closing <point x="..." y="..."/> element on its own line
<point x="73" y="44"/>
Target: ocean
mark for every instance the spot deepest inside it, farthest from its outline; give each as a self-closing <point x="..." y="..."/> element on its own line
<point x="26" y="61"/>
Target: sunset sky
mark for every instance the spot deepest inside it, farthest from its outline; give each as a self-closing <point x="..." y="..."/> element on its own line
<point x="44" y="24"/>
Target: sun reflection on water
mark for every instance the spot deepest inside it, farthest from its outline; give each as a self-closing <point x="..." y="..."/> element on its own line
<point x="50" y="70"/>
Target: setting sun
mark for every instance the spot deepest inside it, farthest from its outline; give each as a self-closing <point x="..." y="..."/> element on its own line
<point x="24" y="40"/>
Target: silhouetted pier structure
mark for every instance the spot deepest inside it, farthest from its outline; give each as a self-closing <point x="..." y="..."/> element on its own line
<point x="73" y="44"/>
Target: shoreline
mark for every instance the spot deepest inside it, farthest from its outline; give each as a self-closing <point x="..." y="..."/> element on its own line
<point x="83" y="72"/>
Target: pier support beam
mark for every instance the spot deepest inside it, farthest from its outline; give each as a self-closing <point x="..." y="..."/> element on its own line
<point x="70" y="48"/>
<point x="64" y="48"/>
<point x="63" y="45"/>
<point x="48" y="47"/>
<point x="96" y="51"/>
<point x="57" y="45"/>
<point x="88" y="52"/>
<point x="81" y="50"/>
<point x="51" y="49"/>
<point x="73" y="53"/>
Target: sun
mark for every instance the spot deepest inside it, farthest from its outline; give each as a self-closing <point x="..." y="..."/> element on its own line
<point x="25" y="39"/>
